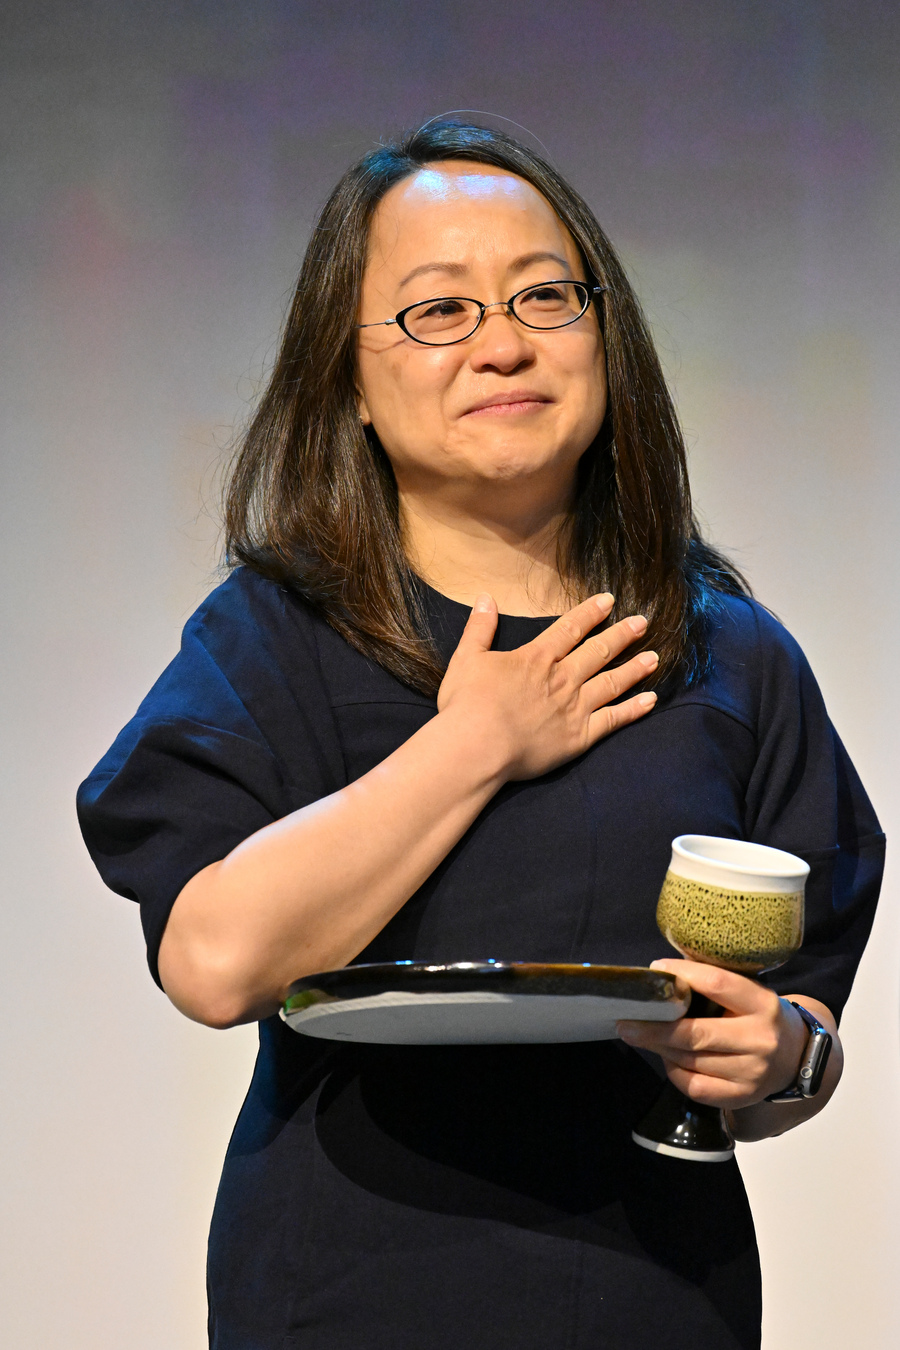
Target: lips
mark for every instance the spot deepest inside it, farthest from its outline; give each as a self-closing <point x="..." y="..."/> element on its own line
<point x="509" y="401"/>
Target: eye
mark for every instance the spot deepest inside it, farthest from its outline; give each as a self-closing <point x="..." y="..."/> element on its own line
<point x="544" y="295"/>
<point x="445" y="319"/>
<point x="440" y="309"/>
<point x="551" y="305"/>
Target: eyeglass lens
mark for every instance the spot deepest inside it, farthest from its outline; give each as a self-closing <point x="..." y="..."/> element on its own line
<point x="451" y="319"/>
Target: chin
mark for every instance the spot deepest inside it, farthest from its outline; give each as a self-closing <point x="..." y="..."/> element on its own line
<point x="509" y="463"/>
<point x="510" y="475"/>
<point x="513" y="469"/>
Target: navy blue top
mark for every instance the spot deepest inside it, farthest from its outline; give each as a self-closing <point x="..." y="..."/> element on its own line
<point x="447" y="1196"/>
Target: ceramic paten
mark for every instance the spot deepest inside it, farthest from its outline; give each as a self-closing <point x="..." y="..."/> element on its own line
<point x="479" y="1002"/>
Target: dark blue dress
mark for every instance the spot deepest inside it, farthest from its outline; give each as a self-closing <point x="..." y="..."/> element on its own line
<point x="441" y="1198"/>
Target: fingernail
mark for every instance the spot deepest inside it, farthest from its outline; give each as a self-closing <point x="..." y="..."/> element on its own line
<point x="649" y="659"/>
<point x="637" y="623"/>
<point x="606" y="600"/>
<point x="646" y="700"/>
<point x="483" y="603"/>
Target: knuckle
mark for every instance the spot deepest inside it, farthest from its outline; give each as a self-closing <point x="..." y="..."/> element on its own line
<point x="717" y="981"/>
<point x="761" y="1072"/>
<point x="606" y="722"/>
<point x="770" y="1045"/>
<point x="570" y="628"/>
<point x="623" y="713"/>
<point x="557" y="683"/>
<point x="693" y="1085"/>
<point x="700" y="1038"/>
<point x="608" y="683"/>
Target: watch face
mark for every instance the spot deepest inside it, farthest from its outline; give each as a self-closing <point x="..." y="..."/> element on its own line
<point x="814" y="1063"/>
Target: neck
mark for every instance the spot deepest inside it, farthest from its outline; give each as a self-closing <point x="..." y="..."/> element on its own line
<point x="506" y="548"/>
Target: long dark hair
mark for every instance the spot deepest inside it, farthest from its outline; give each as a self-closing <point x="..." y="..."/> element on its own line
<point x="312" y="501"/>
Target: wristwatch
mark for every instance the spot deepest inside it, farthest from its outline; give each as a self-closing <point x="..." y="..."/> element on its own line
<point x="812" y="1065"/>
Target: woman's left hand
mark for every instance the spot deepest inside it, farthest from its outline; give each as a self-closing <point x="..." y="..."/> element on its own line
<point x="732" y="1061"/>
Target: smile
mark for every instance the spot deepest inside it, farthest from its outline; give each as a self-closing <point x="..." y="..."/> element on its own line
<point x="515" y="402"/>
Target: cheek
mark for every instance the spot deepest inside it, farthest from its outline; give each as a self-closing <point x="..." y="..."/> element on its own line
<point x="586" y="369"/>
<point x="598" y="380"/>
<point x="403" y="387"/>
<point x="601" y="393"/>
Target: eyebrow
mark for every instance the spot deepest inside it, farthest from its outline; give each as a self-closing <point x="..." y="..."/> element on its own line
<point x="455" y="269"/>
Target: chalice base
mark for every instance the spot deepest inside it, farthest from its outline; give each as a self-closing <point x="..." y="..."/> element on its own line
<point x="681" y="1128"/>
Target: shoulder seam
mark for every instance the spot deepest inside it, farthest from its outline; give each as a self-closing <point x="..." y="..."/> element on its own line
<point x="697" y="700"/>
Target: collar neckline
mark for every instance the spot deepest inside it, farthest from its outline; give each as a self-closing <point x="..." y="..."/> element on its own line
<point x="465" y="610"/>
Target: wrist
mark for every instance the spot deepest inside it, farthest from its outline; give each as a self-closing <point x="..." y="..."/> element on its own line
<point x="476" y="743"/>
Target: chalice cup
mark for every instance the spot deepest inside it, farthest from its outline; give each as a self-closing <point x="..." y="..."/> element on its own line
<point x="732" y="904"/>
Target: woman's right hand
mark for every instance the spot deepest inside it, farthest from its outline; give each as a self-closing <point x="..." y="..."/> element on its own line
<point x="553" y="698"/>
<point x="310" y="892"/>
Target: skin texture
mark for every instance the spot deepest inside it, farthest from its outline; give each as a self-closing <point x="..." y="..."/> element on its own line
<point x="484" y="438"/>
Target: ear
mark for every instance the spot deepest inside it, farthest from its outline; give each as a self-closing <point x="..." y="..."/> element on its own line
<point x="363" y="409"/>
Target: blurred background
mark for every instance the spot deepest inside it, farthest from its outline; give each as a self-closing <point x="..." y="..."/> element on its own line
<point x="162" y="165"/>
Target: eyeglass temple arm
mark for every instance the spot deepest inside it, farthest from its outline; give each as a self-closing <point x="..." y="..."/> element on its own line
<point x="382" y="323"/>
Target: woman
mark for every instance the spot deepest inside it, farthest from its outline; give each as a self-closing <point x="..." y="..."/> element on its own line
<point x="380" y="742"/>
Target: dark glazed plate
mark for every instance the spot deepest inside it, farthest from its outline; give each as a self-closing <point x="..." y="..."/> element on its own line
<point x="479" y="1002"/>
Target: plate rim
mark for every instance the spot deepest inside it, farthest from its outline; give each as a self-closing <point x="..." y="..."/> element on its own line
<point x="657" y="986"/>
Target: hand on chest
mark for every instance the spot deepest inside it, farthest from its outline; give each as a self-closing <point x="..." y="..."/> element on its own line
<point x="566" y="867"/>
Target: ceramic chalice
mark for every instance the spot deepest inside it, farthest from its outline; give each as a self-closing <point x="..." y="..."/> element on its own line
<point x="732" y="904"/>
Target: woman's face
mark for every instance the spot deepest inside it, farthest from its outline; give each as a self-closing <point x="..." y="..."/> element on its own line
<point x="509" y="403"/>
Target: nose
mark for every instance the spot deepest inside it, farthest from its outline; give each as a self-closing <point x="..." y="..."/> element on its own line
<point x="499" y="341"/>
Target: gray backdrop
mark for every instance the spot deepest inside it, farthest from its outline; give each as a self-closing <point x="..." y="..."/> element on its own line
<point x="163" y="162"/>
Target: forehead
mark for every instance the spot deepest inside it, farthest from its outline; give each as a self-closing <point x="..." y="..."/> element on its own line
<point x="464" y="213"/>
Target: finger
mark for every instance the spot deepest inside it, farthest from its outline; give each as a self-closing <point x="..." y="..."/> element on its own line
<point x="689" y="1035"/>
<point x="607" y="720"/>
<point x="598" y="651"/>
<point x="572" y="628"/>
<point x="610" y="684"/>
<point x="481" y="626"/>
<point x="750" y="1071"/>
<point x="728" y="1046"/>
<point x="709" y="1091"/>
<point x="728" y="1037"/>
<point x="736" y="993"/>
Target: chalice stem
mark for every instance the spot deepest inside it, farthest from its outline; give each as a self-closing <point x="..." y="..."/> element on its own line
<point x="681" y="1128"/>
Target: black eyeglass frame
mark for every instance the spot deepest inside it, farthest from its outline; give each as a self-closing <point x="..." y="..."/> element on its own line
<point x="400" y="319"/>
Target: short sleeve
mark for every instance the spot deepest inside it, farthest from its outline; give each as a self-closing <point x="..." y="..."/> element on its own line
<point x="806" y="797"/>
<point x="235" y="734"/>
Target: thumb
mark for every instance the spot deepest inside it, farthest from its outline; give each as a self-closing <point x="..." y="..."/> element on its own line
<point x="481" y="625"/>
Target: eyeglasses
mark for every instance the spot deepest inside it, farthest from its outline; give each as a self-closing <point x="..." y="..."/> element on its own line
<point x="453" y="318"/>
